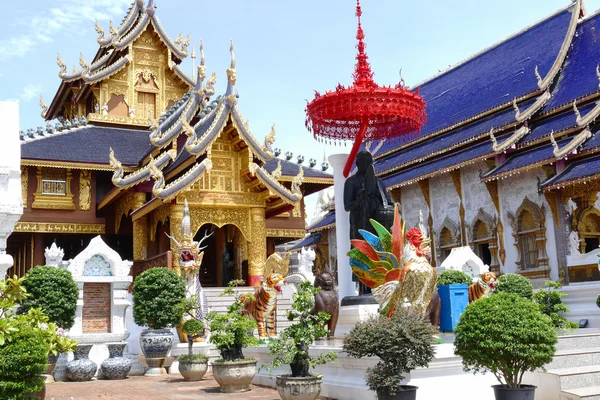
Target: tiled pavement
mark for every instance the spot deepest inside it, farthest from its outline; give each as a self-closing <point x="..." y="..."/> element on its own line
<point x="151" y="388"/>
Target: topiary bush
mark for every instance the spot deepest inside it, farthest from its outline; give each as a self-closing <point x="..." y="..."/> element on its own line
<point x="452" y="277"/>
<point x="193" y="328"/>
<point x="549" y="301"/>
<point x="598" y="300"/>
<point x="403" y="342"/>
<point x="158" y="298"/>
<point x="514" y="283"/>
<point x="54" y="291"/>
<point x="506" y="335"/>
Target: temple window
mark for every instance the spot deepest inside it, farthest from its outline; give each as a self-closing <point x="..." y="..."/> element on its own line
<point x="147" y="90"/>
<point x="117" y="106"/>
<point x="529" y="231"/>
<point x="54" y="181"/>
<point x="589" y="230"/>
<point x="449" y="238"/>
<point x="53" y="189"/>
<point x="147" y="104"/>
<point x="485" y="239"/>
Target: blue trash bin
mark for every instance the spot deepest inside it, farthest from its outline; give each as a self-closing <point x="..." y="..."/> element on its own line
<point x="454" y="299"/>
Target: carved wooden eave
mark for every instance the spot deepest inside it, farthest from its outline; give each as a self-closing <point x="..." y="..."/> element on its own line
<point x="522" y="116"/>
<point x="511" y="141"/>
<point x="140" y="175"/>
<point x="184" y="182"/>
<point x="572" y="146"/>
<point x="263" y="152"/>
<point x="545" y="83"/>
<point x="589" y="117"/>
<point x="182" y="74"/>
<point x="275" y="188"/>
<point x="216" y="120"/>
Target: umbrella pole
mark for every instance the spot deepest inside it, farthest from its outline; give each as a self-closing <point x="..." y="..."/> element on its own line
<point x="357" y="142"/>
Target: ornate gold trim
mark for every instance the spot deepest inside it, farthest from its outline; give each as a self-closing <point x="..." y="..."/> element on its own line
<point x="289" y="178"/>
<point x="117" y="119"/>
<point x="53" y="202"/>
<point x="24" y="182"/>
<point x="59" y="227"/>
<point x="286" y="233"/>
<point x="69" y="165"/>
<point x="85" y="189"/>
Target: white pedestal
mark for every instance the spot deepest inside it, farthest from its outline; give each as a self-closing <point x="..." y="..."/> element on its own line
<point x="350" y="315"/>
<point x="342" y="227"/>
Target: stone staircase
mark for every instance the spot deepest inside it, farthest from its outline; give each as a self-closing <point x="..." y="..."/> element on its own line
<point x="220" y="304"/>
<point x="581" y="299"/>
<point x="574" y="372"/>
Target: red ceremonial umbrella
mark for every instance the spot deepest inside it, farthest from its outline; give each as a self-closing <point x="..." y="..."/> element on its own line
<point x="364" y="110"/>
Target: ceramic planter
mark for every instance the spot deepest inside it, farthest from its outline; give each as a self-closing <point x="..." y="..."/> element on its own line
<point x="193" y="370"/>
<point x="234" y="376"/>
<point x="81" y="369"/>
<point x="156" y="345"/>
<point x="50" y="368"/>
<point x="406" y="392"/>
<point x="525" y="392"/>
<point x="116" y="366"/>
<point x="290" y="388"/>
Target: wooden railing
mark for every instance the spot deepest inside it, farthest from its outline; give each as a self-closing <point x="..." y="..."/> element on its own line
<point x="162" y="260"/>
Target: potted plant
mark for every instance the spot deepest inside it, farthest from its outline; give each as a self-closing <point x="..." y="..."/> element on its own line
<point x="550" y="303"/>
<point x="506" y="335"/>
<point x="24" y="344"/>
<point x="229" y="332"/>
<point x="453" y="289"/>
<point x="514" y="283"/>
<point x="292" y="347"/>
<point x="158" y="296"/>
<point x="193" y="366"/>
<point x="402" y="342"/>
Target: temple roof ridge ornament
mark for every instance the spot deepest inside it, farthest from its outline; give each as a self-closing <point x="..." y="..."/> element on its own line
<point x="274" y="187"/>
<point x="263" y="152"/>
<point x="170" y="191"/>
<point x="140" y="175"/>
<point x="522" y="116"/>
<point x="43" y="106"/>
<point x="128" y="21"/>
<point x="510" y="142"/>
<point x="570" y="147"/>
<point x="231" y="72"/>
<point x="59" y="128"/>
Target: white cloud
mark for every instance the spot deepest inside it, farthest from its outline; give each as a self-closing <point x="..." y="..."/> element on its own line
<point x="65" y="15"/>
<point x="30" y="92"/>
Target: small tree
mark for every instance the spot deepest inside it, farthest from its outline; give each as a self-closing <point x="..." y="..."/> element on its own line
<point x="193" y="328"/>
<point x="230" y="331"/>
<point x="506" y="335"/>
<point x="54" y="291"/>
<point x="158" y="296"/>
<point x="293" y="343"/>
<point x="452" y="277"/>
<point x="514" y="283"/>
<point x="550" y="303"/>
<point x="403" y="342"/>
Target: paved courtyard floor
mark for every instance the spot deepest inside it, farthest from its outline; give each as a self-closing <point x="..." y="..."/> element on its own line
<point x="151" y="388"/>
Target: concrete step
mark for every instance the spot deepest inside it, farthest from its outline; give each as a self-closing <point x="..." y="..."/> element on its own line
<point x="578" y="341"/>
<point x="587" y="393"/>
<point x="575" y="358"/>
<point x="577" y="377"/>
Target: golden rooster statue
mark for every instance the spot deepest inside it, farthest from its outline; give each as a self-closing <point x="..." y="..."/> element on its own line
<point x="394" y="264"/>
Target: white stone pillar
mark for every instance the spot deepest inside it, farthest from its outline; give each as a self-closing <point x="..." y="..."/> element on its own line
<point x="11" y="205"/>
<point x="342" y="228"/>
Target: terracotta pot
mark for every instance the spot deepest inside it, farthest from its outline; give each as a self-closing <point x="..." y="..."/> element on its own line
<point x="234" y="376"/>
<point x="303" y="388"/>
<point x="193" y="370"/>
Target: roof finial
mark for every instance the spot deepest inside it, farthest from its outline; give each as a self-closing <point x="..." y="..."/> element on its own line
<point x="99" y="30"/>
<point x="193" y="55"/>
<point x="232" y="54"/>
<point x="231" y="74"/>
<point x="201" y="53"/>
<point x="363" y="76"/>
<point x="112" y="29"/>
<point x="44" y="107"/>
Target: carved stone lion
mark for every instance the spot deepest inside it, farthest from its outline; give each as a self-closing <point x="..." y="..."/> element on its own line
<point x="327" y="300"/>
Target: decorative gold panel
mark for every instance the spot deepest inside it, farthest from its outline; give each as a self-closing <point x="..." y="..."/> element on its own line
<point x="24" y="182"/>
<point x="58" y="227"/>
<point x="286" y="233"/>
<point x="85" y="188"/>
<point x="53" y="189"/>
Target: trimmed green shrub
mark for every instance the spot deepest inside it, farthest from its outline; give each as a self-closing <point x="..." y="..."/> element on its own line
<point x="23" y="361"/>
<point x="158" y="297"/>
<point x="514" y="283"/>
<point x="506" y="335"/>
<point x="54" y="291"/>
<point x="598" y="300"/>
<point x="550" y="303"/>
<point x="453" y="277"/>
<point x="229" y="331"/>
<point x="193" y="328"/>
<point x="402" y="343"/>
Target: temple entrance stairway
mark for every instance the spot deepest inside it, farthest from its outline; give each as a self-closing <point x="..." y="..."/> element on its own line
<point x="574" y="373"/>
<point x="220" y="304"/>
<point x="581" y="299"/>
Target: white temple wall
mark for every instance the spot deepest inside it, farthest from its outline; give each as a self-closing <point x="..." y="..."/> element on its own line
<point x="475" y="193"/>
<point x="512" y="192"/>
<point x="412" y="202"/>
<point x="444" y="201"/>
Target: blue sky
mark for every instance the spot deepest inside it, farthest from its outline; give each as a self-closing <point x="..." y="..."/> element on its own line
<point x="284" y="49"/>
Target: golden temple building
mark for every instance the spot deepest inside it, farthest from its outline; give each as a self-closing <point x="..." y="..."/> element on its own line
<point x="129" y="136"/>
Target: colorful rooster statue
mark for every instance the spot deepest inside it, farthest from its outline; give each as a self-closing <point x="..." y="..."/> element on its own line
<point x="395" y="266"/>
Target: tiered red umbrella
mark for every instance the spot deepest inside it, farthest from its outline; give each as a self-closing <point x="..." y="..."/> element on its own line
<point x="364" y="111"/>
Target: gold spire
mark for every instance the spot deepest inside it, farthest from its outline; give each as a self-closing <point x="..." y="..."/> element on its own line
<point x="201" y="53"/>
<point x="232" y="54"/>
<point x="193" y="55"/>
<point x="231" y="74"/>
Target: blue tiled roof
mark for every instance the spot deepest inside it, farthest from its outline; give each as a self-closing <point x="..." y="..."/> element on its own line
<point x="327" y="220"/>
<point x="579" y="169"/>
<point x="308" y="241"/>
<point x="439" y="143"/>
<point x="578" y="77"/>
<point x="494" y="77"/>
<point x="448" y="161"/>
<point x="90" y="144"/>
<point x="557" y="123"/>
